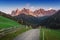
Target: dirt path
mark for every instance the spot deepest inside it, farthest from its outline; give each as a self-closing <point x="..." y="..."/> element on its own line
<point x="32" y="34"/>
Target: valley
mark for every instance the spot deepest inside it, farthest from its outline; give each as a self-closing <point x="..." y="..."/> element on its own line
<point x="25" y="26"/>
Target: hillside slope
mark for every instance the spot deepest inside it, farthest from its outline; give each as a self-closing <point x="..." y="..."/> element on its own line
<point x="5" y="22"/>
<point x="53" y="21"/>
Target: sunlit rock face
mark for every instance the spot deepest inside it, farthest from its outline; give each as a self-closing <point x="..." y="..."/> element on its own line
<point x="36" y="13"/>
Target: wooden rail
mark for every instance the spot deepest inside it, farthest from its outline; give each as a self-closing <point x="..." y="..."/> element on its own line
<point x="5" y="31"/>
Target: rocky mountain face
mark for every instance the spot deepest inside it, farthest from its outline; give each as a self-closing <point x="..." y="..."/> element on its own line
<point x="18" y="12"/>
<point x="36" y="13"/>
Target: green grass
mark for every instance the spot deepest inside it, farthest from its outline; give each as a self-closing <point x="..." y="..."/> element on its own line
<point x="49" y="34"/>
<point x="5" y="23"/>
<point x="11" y="36"/>
<point x="41" y="34"/>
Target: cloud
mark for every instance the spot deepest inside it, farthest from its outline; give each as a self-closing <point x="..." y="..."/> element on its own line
<point x="27" y="5"/>
<point x="32" y="8"/>
<point x="50" y="8"/>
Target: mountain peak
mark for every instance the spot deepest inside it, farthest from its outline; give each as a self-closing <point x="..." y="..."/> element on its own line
<point x="39" y="12"/>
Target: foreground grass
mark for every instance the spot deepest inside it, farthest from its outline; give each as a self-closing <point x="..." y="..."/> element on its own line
<point x="12" y="35"/>
<point x="41" y="34"/>
<point x="49" y="34"/>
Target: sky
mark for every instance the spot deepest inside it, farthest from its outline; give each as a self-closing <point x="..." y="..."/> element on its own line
<point x="8" y="5"/>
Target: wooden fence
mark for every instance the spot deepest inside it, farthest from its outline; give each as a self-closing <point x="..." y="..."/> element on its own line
<point x="5" y="31"/>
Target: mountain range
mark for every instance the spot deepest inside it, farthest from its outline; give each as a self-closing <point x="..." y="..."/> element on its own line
<point x="52" y="20"/>
<point x="37" y="13"/>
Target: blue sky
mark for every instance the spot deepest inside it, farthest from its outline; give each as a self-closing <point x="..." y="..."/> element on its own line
<point x="9" y="5"/>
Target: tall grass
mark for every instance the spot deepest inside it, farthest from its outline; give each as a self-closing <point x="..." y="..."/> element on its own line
<point x="49" y="34"/>
<point x="12" y="35"/>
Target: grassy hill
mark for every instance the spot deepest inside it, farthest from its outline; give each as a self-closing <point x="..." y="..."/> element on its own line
<point x="5" y="23"/>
